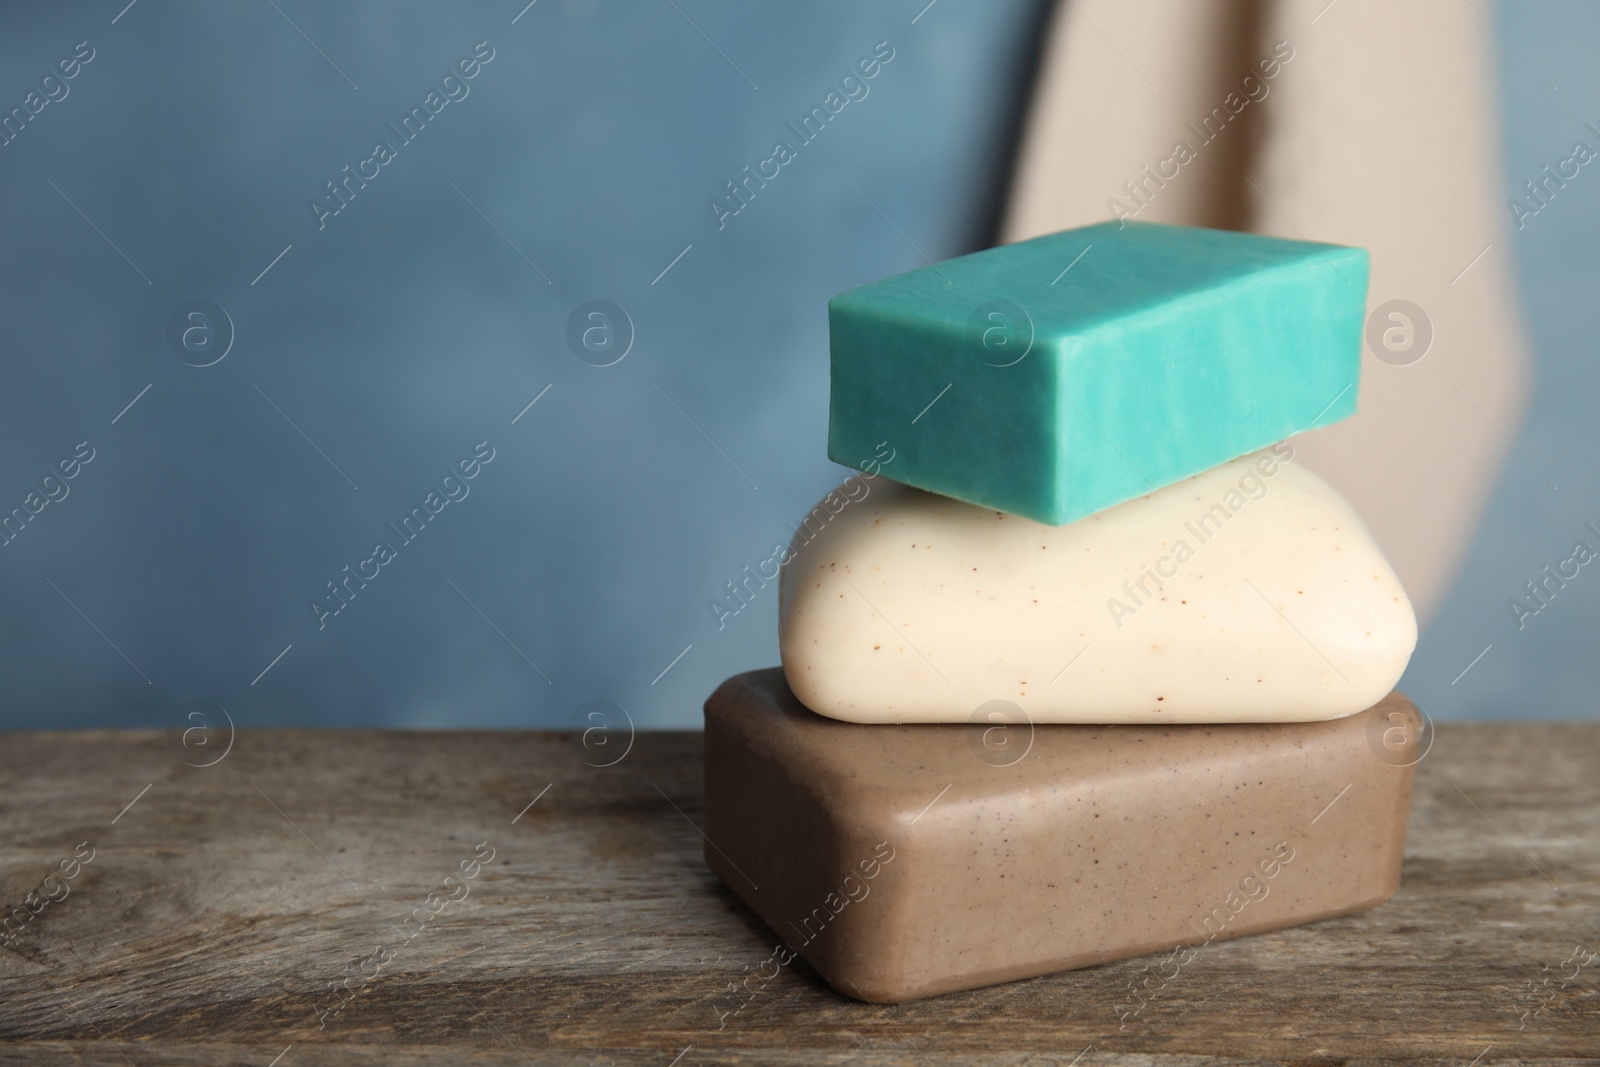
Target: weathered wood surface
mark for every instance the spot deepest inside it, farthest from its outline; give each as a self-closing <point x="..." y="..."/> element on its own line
<point x="219" y="907"/>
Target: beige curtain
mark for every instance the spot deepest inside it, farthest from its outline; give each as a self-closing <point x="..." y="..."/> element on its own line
<point x="1362" y="122"/>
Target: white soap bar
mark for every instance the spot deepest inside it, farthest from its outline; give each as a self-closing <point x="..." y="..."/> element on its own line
<point x="1250" y="593"/>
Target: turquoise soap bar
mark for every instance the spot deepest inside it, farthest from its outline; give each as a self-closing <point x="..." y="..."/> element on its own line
<point x="1057" y="377"/>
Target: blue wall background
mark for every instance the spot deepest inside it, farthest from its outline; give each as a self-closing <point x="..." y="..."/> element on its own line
<point x="422" y="319"/>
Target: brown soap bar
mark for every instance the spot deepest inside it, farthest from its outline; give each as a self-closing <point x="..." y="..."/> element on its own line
<point x="904" y="861"/>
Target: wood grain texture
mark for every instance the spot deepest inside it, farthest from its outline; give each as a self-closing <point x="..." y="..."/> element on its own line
<point x="219" y="907"/>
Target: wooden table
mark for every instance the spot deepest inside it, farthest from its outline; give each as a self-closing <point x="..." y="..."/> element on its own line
<point x="222" y="902"/>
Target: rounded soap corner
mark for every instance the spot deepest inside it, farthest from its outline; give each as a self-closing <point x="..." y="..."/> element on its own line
<point x="801" y="687"/>
<point x="811" y="695"/>
<point x="1409" y="613"/>
<point x="1412" y="630"/>
<point x="873" y="989"/>
<point x="728" y="692"/>
<point x="816" y="704"/>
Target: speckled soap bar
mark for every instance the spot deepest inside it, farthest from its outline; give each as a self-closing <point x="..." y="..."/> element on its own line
<point x="1059" y="376"/>
<point x="1250" y="593"/>
<point x="906" y="861"/>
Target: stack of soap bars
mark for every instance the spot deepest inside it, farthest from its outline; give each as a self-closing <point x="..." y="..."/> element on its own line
<point x="1083" y="665"/>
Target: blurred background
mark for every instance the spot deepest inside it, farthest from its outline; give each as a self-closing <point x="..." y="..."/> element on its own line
<point x="256" y="342"/>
